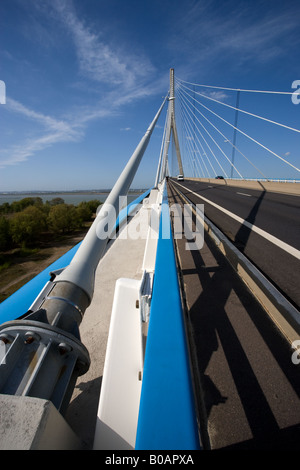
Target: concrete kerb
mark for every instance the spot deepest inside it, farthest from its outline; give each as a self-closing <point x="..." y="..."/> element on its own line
<point x="270" y="186"/>
<point x="280" y="310"/>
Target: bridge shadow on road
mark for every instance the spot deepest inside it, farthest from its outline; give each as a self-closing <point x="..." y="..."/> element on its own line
<point x="243" y="234"/>
<point x="235" y="399"/>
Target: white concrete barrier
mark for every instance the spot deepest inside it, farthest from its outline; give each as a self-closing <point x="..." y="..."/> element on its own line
<point x="272" y="186"/>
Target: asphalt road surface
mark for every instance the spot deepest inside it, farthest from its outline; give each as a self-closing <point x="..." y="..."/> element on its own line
<point x="265" y="226"/>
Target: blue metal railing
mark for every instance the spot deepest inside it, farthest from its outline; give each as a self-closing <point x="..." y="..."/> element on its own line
<point x="167" y="417"/>
<point x="19" y="302"/>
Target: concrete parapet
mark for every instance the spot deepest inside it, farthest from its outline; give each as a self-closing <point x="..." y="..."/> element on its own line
<point x="28" y="423"/>
<point x="271" y="186"/>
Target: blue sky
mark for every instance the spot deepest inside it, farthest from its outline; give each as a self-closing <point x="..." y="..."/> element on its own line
<point x="84" y="78"/>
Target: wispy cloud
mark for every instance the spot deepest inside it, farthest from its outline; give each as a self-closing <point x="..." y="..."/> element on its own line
<point x="124" y="78"/>
<point x="215" y="95"/>
<point x="99" y="59"/>
<point x="50" y="130"/>
<point x="21" y="152"/>
<point x="234" y="32"/>
<point x="47" y="121"/>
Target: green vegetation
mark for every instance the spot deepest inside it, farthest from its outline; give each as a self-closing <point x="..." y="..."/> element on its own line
<point x="33" y="234"/>
<point x="25" y="223"/>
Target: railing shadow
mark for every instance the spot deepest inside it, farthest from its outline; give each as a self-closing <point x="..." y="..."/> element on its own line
<point x="213" y="329"/>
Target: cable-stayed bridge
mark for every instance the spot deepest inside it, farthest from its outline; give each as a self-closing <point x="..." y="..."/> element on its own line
<point x="174" y="324"/>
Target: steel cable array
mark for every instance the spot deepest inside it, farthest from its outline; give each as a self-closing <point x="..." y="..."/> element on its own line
<point x="199" y="141"/>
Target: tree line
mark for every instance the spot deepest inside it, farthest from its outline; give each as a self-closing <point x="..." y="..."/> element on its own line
<point x="25" y="222"/>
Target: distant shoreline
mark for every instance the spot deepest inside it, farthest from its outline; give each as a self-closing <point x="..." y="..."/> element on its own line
<point x="69" y="197"/>
<point x="83" y="191"/>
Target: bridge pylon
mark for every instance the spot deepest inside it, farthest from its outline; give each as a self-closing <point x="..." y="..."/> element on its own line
<point x="171" y="127"/>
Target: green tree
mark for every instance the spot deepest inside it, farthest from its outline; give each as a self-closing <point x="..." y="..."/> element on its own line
<point x="4" y="234"/>
<point x="84" y="212"/>
<point x="55" y="201"/>
<point x="5" y="208"/>
<point x="63" y="218"/>
<point x="18" y="206"/>
<point x="93" y="205"/>
<point x="27" y="226"/>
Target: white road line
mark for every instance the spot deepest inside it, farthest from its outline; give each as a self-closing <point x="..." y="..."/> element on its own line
<point x="244" y="194"/>
<point x="284" y="246"/>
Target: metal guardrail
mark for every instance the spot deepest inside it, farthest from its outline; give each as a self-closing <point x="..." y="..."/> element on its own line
<point x="167" y="416"/>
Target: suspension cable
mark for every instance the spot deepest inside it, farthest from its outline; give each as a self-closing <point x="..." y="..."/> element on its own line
<point x="225" y="137"/>
<point x="204" y="153"/>
<point x="243" y="111"/>
<point x="184" y="128"/>
<point x="219" y="148"/>
<point x="238" y="89"/>
<point x="249" y="137"/>
<point x="210" y="149"/>
<point x="189" y="132"/>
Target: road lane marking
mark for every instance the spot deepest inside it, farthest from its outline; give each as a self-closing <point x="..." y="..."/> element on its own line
<point x="244" y="194"/>
<point x="284" y="246"/>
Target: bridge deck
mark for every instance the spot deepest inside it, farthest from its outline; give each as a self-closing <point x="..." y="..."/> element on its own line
<point x="248" y="387"/>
